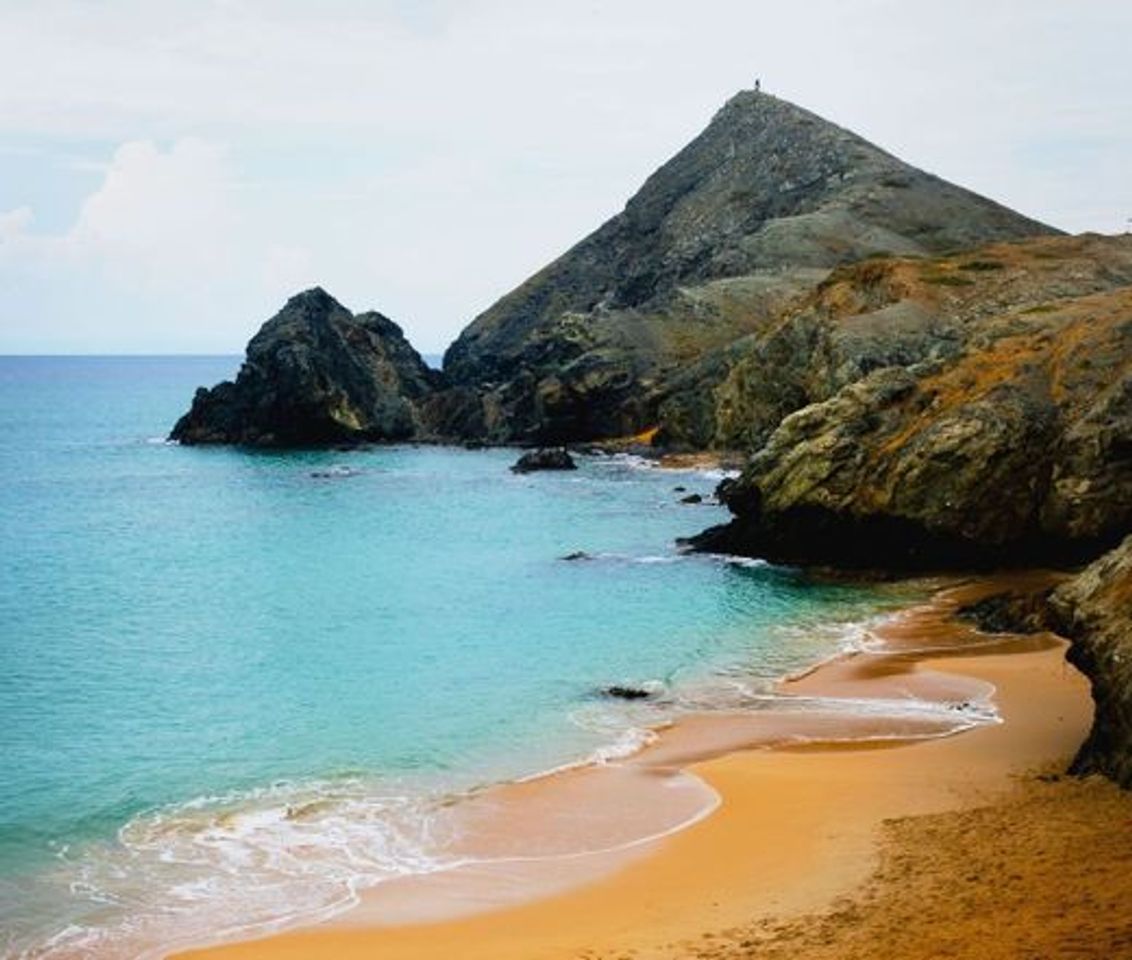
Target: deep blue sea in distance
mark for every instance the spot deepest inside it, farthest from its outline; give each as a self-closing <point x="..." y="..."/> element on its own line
<point x="196" y="640"/>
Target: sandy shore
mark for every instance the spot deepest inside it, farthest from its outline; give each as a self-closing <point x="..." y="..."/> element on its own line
<point x="812" y="842"/>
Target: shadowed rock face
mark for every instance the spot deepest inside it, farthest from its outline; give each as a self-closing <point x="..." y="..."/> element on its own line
<point x="750" y="215"/>
<point x="1095" y="610"/>
<point x="996" y="426"/>
<point x="315" y="374"/>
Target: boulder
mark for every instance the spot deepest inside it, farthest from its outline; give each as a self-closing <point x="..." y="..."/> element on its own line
<point x="619" y="692"/>
<point x="543" y="459"/>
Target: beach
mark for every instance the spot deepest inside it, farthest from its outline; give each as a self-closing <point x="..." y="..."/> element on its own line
<point x="811" y="841"/>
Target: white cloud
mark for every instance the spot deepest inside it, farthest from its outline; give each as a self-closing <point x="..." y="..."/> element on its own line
<point x="158" y="215"/>
<point x="165" y="241"/>
<point x="423" y="156"/>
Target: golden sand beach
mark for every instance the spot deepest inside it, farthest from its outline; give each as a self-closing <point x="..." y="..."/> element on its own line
<point x="894" y="842"/>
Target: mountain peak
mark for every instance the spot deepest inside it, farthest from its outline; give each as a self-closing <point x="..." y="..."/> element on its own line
<point x="757" y="102"/>
<point x="770" y="194"/>
<point x="313" y="300"/>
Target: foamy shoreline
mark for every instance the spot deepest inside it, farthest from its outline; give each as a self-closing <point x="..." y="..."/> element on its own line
<point x="494" y="886"/>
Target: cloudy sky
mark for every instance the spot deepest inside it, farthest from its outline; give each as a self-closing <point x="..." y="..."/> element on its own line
<point x="171" y="171"/>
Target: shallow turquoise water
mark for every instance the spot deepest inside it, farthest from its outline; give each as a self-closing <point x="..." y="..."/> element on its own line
<point x="377" y="626"/>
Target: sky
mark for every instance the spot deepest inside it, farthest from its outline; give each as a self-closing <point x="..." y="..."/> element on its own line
<point x="171" y="172"/>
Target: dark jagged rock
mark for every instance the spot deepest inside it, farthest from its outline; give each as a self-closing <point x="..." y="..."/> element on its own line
<point x="692" y="498"/>
<point x="619" y="692"/>
<point x="316" y="375"/>
<point x="1094" y="609"/>
<point x="1015" y="447"/>
<point x="575" y="556"/>
<point x="1008" y="613"/>
<point x="555" y="459"/>
<point x="748" y="217"/>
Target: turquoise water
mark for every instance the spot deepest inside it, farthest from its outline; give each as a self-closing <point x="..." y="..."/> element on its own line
<point x="194" y="640"/>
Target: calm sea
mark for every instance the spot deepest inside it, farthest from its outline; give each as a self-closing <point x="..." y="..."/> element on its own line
<point x="196" y="643"/>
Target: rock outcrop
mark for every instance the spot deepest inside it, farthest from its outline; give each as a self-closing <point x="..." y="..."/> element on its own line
<point x="1094" y="609"/>
<point x="881" y="312"/>
<point x="717" y="243"/>
<point x="315" y="374"/>
<point x="969" y="411"/>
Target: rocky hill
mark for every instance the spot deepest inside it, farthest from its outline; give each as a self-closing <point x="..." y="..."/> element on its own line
<point x="750" y="215"/>
<point x="315" y="374"/>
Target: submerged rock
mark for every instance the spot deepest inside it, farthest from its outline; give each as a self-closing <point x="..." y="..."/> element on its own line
<point x="335" y="472"/>
<point x="315" y="375"/>
<point x="692" y="498"/>
<point x="619" y="692"/>
<point x="555" y="459"/>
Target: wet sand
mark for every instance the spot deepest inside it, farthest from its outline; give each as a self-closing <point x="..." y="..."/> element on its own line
<point x="785" y="822"/>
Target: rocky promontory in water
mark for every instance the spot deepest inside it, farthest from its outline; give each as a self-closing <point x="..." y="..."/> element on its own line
<point x="315" y="374"/>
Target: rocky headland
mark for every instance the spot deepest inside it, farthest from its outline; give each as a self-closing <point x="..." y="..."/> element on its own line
<point x="970" y="410"/>
<point x="316" y="374"/>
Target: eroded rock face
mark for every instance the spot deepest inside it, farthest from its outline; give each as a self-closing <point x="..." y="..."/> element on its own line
<point x="880" y="313"/>
<point x="1094" y="609"/>
<point x="1012" y="444"/>
<point x="315" y="374"/>
<point x="617" y="335"/>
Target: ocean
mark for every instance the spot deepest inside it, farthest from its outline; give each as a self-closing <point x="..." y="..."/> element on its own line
<point x="199" y="645"/>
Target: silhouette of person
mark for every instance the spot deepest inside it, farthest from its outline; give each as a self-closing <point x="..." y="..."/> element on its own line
<point x="758" y="85"/>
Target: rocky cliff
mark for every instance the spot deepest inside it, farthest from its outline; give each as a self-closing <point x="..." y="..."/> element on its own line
<point x="1094" y="609"/>
<point x="957" y="411"/>
<point x="316" y="374"/>
<point x="750" y="215"/>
